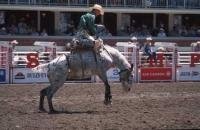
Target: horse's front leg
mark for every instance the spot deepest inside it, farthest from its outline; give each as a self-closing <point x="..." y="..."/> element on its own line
<point x="108" y="96"/>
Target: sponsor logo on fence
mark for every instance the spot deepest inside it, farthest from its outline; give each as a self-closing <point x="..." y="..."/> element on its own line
<point x="20" y="75"/>
<point x="36" y="75"/>
<point x="156" y="74"/>
<point x="185" y="74"/>
<point x="26" y="75"/>
<point x="192" y="74"/>
<point x="195" y="73"/>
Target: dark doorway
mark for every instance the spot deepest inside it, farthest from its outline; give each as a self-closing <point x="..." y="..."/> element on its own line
<point x="110" y="22"/>
<point x="75" y="16"/>
<point x="191" y="20"/>
<point x="139" y="20"/>
<point x="162" y="21"/>
<point x="47" y="22"/>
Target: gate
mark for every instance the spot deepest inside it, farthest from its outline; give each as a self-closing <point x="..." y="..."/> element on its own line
<point x="163" y="69"/>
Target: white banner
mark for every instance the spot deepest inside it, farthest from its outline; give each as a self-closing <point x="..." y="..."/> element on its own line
<point x="112" y="75"/>
<point x="26" y="75"/>
<point x="187" y="73"/>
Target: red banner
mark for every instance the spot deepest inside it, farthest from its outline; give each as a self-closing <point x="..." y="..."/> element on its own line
<point x="156" y="73"/>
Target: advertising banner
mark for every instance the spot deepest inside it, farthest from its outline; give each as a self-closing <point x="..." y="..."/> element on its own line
<point x="156" y="74"/>
<point x="187" y="73"/>
<point x="112" y="75"/>
<point x="2" y="75"/>
<point x="26" y="75"/>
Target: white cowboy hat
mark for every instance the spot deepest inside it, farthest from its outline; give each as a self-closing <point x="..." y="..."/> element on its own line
<point x="161" y="48"/>
<point x="98" y="7"/>
<point x="134" y="39"/>
<point x="14" y="42"/>
<point x="148" y="38"/>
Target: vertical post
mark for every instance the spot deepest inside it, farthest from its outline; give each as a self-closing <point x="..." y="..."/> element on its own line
<point x="88" y="4"/>
<point x="56" y="19"/>
<point x="184" y="4"/>
<point x="171" y="22"/>
<point x="167" y="3"/>
<point x="10" y="58"/>
<point x="124" y="3"/>
<point x="175" y="62"/>
<point x="154" y="20"/>
<point x="38" y="20"/>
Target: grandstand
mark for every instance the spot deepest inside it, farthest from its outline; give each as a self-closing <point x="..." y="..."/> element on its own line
<point x="57" y="20"/>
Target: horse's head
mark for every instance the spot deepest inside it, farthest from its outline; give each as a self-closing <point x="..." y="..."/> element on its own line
<point x="126" y="78"/>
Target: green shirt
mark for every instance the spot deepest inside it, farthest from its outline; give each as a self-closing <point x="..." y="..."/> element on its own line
<point x="87" y="22"/>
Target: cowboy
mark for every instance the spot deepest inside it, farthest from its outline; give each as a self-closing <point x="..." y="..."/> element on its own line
<point x="87" y="29"/>
<point x="149" y="49"/>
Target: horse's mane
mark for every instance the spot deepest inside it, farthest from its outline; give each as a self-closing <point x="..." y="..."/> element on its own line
<point x="118" y="55"/>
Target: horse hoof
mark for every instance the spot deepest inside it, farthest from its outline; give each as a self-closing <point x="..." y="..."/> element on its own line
<point x="41" y="110"/>
<point x="53" y="112"/>
<point x="108" y="102"/>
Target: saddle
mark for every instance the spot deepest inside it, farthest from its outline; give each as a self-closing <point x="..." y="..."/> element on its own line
<point x="76" y="46"/>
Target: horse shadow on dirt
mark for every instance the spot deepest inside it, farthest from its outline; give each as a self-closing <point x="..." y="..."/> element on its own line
<point x="79" y="112"/>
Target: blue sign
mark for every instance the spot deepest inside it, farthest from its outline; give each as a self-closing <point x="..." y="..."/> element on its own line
<point x="2" y="75"/>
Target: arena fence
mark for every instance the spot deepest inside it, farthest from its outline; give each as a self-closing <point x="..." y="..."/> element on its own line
<point x="5" y="61"/>
<point x="170" y="65"/>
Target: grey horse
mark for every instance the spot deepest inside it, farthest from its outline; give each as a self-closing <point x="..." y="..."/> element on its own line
<point x="84" y="64"/>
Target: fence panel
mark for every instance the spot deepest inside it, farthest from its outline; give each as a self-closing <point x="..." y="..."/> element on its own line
<point x="5" y="61"/>
<point x="188" y="66"/>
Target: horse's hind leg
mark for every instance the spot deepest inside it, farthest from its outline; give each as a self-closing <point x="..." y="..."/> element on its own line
<point x="56" y="81"/>
<point x="43" y="93"/>
<point x="108" y="96"/>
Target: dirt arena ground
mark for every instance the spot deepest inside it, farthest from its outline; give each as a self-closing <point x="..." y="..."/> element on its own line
<point x="147" y="106"/>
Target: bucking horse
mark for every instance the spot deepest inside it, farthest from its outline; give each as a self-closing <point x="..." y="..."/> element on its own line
<point x="83" y="64"/>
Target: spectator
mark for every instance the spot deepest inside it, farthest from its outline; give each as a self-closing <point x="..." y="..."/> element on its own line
<point x="44" y="33"/>
<point x="13" y="29"/>
<point x="135" y="42"/>
<point x="198" y="33"/>
<point x="71" y="28"/>
<point x="34" y="32"/>
<point x="160" y="49"/>
<point x="3" y="31"/>
<point x="22" y="26"/>
<point x="161" y="33"/>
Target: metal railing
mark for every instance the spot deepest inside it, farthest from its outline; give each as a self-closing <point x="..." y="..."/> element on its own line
<point x="184" y="4"/>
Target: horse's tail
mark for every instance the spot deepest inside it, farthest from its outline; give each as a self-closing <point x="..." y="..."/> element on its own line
<point x="40" y="67"/>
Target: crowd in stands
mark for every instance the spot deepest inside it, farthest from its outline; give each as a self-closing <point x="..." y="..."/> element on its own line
<point x="134" y="3"/>
<point x="22" y="28"/>
<point x="145" y="31"/>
